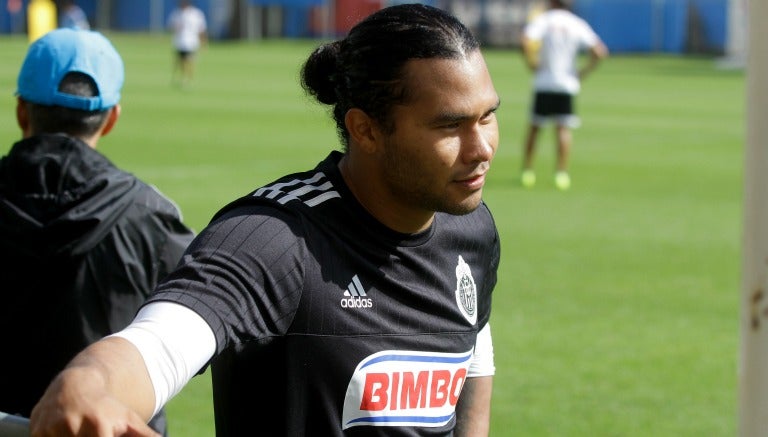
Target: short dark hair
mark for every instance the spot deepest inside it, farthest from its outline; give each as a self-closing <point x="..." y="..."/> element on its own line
<point x="74" y="122"/>
<point x="365" y="69"/>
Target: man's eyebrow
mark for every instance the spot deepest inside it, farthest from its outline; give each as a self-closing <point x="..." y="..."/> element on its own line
<point x="449" y="117"/>
<point x="495" y="106"/>
<point x="453" y="117"/>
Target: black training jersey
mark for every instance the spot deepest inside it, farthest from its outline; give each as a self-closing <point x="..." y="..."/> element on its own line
<point x="330" y="324"/>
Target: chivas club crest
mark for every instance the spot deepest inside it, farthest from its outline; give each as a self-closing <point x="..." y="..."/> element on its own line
<point x="466" y="292"/>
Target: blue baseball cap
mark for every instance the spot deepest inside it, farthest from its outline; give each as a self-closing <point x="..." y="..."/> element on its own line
<point x="63" y="51"/>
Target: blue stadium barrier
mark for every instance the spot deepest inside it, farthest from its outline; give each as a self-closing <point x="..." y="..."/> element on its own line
<point x="714" y="20"/>
<point x="672" y="26"/>
<point x="656" y="25"/>
<point x="288" y="3"/>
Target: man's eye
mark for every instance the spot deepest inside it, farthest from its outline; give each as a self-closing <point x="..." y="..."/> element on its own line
<point x="489" y="117"/>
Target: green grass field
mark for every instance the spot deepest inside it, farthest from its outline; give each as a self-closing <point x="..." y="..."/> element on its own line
<point x="616" y="311"/>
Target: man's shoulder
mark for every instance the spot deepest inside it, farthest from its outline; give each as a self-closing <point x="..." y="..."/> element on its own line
<point x="148" y="197"/>
<point x="305" y="192"/>
<point x="569" y="18"/>
<point x="196" y="13"/>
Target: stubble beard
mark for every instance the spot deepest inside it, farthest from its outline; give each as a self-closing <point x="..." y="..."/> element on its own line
<point x="407" y="182"/>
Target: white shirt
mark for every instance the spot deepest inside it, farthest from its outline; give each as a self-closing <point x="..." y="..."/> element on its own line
<point x="187" y="25"/>
<point x="562" y="35"/>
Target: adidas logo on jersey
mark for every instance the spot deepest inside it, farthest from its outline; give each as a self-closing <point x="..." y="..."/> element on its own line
<point x="355" y="296"/>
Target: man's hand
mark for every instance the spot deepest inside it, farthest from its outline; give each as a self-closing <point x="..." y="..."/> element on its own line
<point x="76" y="404"/>
<point x="104" y="392"/>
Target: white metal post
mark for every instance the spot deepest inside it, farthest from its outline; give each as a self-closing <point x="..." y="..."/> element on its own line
<point x="753" y="363"/>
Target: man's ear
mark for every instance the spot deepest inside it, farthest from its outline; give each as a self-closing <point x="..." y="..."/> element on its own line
<point x="362" y="130"/>
<point x="22" y="117"/>
<point x="114" y="114"/>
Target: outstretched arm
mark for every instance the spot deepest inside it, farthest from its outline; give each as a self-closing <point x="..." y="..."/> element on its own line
<point x="115" y="385"/>
<point x="473" y="412"/>
<point x="104" y="391"/>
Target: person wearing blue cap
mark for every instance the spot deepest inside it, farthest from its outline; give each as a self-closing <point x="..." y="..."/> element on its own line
<point x="82" y="243"/>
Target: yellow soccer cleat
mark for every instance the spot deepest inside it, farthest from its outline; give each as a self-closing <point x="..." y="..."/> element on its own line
<point x="562" y="181"/>
<point x="528" y="178"/>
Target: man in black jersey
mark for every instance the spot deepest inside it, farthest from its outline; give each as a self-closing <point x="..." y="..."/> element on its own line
<point x="352" y="299"/>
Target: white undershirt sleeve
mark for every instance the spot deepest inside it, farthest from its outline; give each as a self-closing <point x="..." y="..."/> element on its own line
<point x="482" y="358"/>
<point x="175" y="343"/>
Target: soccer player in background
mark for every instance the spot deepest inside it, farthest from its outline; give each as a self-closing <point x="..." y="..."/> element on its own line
<point x="82" y="243"/>
<point x="73" y="16"/>
<point x="190" y="32"/>
<point x="551" y="44"/>
<point x="350" y="299"/>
